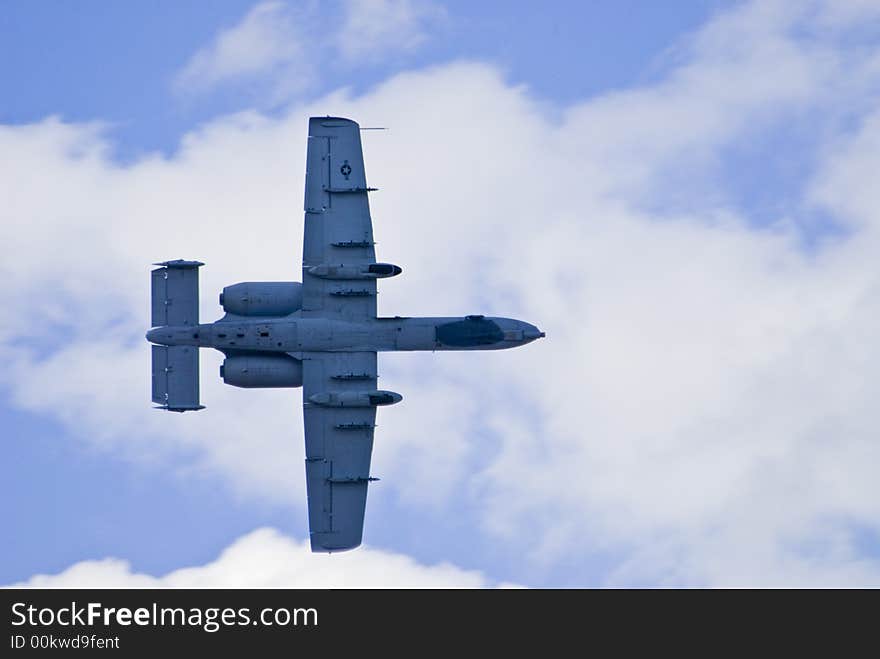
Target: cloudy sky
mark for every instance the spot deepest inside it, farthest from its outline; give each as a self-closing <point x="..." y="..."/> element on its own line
<point x="683" y="195"/>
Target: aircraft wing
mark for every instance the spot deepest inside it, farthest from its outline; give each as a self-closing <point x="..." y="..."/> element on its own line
<point x="339" y="443"/>
<point x="338" y="227"/>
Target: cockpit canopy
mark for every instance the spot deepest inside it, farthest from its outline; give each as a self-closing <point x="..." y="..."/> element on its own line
<point x="472" y="331"/>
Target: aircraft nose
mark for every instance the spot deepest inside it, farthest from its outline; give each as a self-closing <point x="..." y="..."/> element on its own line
<point x="530" y="332"/>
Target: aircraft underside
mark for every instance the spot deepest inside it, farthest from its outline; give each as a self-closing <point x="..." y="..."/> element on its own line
<point x="322" y="334"/>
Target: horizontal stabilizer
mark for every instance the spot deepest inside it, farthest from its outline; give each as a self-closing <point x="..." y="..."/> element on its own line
<point x="176" y="378"/>
<point x="175" y="293"/>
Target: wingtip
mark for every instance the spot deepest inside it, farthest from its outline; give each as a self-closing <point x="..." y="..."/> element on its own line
<point x="331" y="120"/>
<point x="322" y="544"/>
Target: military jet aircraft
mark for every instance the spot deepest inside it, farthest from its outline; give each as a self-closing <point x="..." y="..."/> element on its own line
<point x="322" y="334"/>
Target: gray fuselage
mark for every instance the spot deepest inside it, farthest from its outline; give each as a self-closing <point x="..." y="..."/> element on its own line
<point x="294" y="334"/>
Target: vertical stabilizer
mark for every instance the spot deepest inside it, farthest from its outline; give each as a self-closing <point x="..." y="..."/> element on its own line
<point x="176" y="378"/>
<point x="175" y="293"/>
<point x="175" y="302"/>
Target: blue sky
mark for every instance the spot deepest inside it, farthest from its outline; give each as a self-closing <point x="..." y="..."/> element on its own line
<point x="115" y="62"/>
<point x="714" y="153"/>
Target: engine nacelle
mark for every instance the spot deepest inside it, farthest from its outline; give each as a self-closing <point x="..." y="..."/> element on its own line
<point x="262" y="298"/>
<point x="262" y="371"/>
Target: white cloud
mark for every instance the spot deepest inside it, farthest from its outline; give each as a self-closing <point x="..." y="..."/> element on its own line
<point x="267" y="559"/>
<point x="376" y="28"/>
<point x="277" y="50"/>
<point x="266" y="41"/>
<point x="703" y="409"/>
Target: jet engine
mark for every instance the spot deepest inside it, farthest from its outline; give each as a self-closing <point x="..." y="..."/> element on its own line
<point x="262" y="371"/>
<point x="262" y="298"/>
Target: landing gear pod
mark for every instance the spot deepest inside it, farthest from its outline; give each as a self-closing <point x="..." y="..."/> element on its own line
<point x="355" y="398"/>
<point x="363" y="271"/>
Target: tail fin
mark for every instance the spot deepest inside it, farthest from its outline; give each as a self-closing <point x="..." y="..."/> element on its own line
<point x="176" y="378"/>
<point x="175" y="301"/>
<point x="175" y="293"/>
